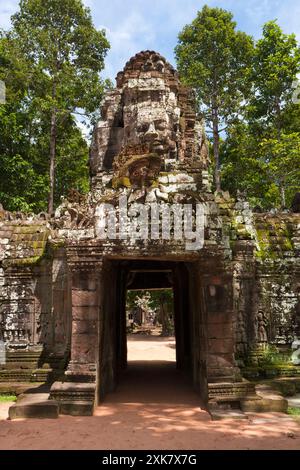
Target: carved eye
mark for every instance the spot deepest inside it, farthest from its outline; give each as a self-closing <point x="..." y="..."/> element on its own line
<point x="142" y="128"/>
<point x="160" y="125"/>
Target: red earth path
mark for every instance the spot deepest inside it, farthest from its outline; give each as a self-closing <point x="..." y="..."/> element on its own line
<point x="154" y="407"/>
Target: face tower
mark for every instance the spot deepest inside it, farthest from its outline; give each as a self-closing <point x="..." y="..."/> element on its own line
<point x="148" y="126"/>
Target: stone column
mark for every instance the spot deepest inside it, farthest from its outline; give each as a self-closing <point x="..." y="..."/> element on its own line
<point x="76" y="395"/>
<point x="85" y="318"/>
<point x="199" y="331"/>
<point x="225" y="384"/>
<point x="221" y="361"/>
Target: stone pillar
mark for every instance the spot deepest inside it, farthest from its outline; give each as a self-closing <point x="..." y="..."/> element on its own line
<point x="225" y="384"/>
<point x="85" y="317"/>
<point x="76" y="395"/>
<point x="221" y="362"/>
<point x="199" y="331"/>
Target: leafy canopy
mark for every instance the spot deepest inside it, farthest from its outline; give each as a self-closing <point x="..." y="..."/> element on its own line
<point x="213" y="57"/>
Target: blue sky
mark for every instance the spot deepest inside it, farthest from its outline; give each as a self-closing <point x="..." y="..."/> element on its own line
<point x="135" y="25"/>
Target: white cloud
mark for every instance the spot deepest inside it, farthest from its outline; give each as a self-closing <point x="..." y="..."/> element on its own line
<point x="7" y="8"/>
<point x="135" y="25"/>
<point x="127" y="38"/>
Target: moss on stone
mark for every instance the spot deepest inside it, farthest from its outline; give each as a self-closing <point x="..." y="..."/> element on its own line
<point x="57" y="244"/>
<point x="123" y="181"/>
<point x="35" y="247"/>
<point x="273" y="238"/>
<point x="238" y="230"/>
<point x="286" y="387"/>
<point x="31" y="261"/>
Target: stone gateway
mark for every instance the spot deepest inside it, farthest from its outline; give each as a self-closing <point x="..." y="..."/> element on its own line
<point x="63" y="286"/>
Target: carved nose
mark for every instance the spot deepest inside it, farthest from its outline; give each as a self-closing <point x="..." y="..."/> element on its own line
<point x="151" y="132"/>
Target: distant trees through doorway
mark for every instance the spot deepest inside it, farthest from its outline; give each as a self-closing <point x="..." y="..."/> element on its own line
<point x="150" y="312"/>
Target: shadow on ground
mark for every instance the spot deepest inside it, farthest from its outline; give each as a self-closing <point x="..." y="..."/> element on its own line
<point x="154" y="407"/>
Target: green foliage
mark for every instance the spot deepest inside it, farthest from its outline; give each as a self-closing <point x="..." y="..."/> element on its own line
<point x="155" y="298"/>
<point x="50" y="62"/>
<point x="214" y="58"/>
<point x="261" y="155"/>
<point x="294" y="411"/>
<point x="7" y="398"/>
<point x="154" y="301"/>
<point x="62" y="46"/>
<point x="271" y="356"/>
<point x="263" y="169"/>
<point x="276" y="63"/>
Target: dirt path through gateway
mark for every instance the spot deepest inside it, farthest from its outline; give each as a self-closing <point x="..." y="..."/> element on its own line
<point x="153" y="408"/>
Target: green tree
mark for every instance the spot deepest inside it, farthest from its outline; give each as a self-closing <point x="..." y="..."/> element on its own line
<point x="242" y="169"/>
<point x="24" y="143"/>
<point x="66" y="54"/>
<point x="261" y="168"/>
<point x="281" y="158"/>
<point x="276" y="63"/>
<point x="160" y="301"/>
<point x="21" y="187"/>
<point x="214" y="58"/>
<point x="261" y="156"/>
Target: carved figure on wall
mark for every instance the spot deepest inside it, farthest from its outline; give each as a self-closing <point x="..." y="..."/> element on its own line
<point x="261" y="327"/>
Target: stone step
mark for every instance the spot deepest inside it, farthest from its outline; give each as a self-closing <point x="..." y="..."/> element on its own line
<point x="74" y="398"/>
<point x="266" y="400"/>
<point x="25" y="375"/>
<point x="76" y="407"/>
<point x="34" y="405"/>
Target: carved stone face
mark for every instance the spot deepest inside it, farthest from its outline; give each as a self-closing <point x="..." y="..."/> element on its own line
<point x="151" y="116"/>
<point x="143" y="171"/>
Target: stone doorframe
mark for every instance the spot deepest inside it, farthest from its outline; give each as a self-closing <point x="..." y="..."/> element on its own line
<point x="210" y="323"/>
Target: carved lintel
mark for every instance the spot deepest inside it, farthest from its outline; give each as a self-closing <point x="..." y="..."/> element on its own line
<point x="86" y="266"/>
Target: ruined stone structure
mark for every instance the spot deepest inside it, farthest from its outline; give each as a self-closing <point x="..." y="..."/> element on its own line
<point x="63" y="283"/>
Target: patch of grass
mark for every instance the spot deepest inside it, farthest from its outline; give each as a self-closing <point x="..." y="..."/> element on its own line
<point x="7" y="398"/>
<point x="292" y="410"/>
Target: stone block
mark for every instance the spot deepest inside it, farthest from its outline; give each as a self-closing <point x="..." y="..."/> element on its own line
<point x="220" y="346"/>
<point x="84" y="347"/>
<point x="84" y="298"/>
<point x="84" y="327"/>
<point x="266" y="400"/>
<point x="220" y="330"/>
<point x="84" y="282"/>
<point x="263" y="405"/>
<point x="85" y="313"/>
<point x="34" y="405"/>
<point x="219" y="317"/>
<point x="76" y="408"/>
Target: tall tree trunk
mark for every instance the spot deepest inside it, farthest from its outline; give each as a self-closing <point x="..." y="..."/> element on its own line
<point x="278" y="119"/>
<point x="216" y="145"/>
<point x="279" y="132"/>
<point x="164" y="319"/>
<point x="53" y="130"/>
